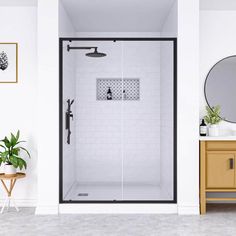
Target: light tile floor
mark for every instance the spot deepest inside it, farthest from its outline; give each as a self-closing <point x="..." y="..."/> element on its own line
<point x="220" y="220"/>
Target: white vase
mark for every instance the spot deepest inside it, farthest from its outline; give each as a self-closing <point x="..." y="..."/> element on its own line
<point x="214" y="130"/>
<point x="9" y="170"/>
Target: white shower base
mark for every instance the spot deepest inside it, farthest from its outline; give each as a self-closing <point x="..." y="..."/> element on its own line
<point x="113" y="192"/>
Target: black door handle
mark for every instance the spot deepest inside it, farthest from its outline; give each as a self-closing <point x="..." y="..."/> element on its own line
<point x="231" y="163"/>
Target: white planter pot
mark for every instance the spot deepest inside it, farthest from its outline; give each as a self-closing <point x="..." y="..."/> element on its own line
<point x="9" y="170"/>
<point x="214" y="130"/>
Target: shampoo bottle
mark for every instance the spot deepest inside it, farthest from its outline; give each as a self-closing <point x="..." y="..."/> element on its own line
<point x="109" y="94"/>
<point x="203" y="128"/>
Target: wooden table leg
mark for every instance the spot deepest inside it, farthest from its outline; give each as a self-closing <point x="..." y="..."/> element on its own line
<point x="13" y="181"/>
<point x="5" y="187"/>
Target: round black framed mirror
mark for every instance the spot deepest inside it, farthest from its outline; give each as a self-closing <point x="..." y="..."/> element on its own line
<point x="220" y="88"/>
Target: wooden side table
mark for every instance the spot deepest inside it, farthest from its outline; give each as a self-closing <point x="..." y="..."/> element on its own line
<point x="12" y="179"/>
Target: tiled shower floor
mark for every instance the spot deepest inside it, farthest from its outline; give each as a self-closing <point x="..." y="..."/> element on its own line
<point x="112" y="192"/>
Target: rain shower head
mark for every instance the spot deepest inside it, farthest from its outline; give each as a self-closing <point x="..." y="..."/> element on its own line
<point x="95" y="53"/>
<point x="89" y="54"/>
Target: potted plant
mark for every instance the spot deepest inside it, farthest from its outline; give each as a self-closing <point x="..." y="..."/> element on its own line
<point x="9" y="155"/>
<point x="213" y="119"/>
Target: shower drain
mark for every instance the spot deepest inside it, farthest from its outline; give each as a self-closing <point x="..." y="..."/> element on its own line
<point x="83" y="194"/>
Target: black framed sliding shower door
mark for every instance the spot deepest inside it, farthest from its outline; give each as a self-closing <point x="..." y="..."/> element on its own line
<point x="122" y="150"/>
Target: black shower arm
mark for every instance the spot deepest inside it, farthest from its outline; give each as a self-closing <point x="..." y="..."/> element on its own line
<point x="80" y="48"/>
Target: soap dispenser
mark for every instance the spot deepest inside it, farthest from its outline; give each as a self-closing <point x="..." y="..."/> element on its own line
<point x="203" y="128"/>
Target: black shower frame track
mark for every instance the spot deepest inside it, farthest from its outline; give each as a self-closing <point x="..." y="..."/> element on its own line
<point x="61" y="40"/>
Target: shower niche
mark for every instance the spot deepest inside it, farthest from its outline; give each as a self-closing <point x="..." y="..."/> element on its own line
<point x="121" y="89"/>
<point x="123" y="133"/>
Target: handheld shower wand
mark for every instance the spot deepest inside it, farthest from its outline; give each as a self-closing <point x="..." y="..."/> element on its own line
<point x="69" y="115"/>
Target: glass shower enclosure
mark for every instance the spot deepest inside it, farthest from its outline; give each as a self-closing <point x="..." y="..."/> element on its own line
<point x="118" y="120"/>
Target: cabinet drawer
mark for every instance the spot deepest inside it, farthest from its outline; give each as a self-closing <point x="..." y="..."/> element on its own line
<point x="220" y="170"/>
<point x="221" y="145"/>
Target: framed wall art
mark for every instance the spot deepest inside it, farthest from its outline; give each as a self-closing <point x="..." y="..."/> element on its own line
<point x="8" y="62"/>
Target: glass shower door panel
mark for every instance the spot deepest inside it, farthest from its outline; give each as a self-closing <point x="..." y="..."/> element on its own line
<point x="167" y="118"/>
<point x="69" y="141"/>
<point x="98" y="130"/>
<point x="142" y="124"/>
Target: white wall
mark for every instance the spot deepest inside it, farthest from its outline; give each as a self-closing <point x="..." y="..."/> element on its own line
<point x="19" y="101"/>
<point x="188" y="107"/>
<point x="66" y="29"/>
<point x="217" y="41"/>
<point x="170" y="25"/>
<point x="48" y="107"/>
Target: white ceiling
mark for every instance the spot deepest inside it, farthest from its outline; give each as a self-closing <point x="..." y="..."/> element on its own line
<point x="118" y="15"/>
<point x="18" y="2"/>
<point x="227" y="5"/>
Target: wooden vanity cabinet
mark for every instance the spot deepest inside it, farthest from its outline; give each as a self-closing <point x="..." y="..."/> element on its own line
<point x="217" y="170"/>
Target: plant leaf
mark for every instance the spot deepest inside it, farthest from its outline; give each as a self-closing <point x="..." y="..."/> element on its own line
<point x="13" y="140"/>
<point x="25" y="151"/>
<point x="22" y="163"/>
<point x="20" y="142"/>
<point x="17" y="135"/>
<point x="14" y="161"/>
<point x="213" y="115"/>
<point x="4" y="154"/>
<point x="7" y="142"/>
<point x="15" y="151"/>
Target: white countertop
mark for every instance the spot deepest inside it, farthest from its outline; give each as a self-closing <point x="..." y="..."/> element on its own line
<point x="223" y="138"/>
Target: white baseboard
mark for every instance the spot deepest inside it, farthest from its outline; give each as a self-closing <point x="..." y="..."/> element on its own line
<point x="46" y="210"/>
<point x="188" y="210"/>
<point x="117" y="208"/>
<point x="108" y="208"/>
<point x="22" y="202"/>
